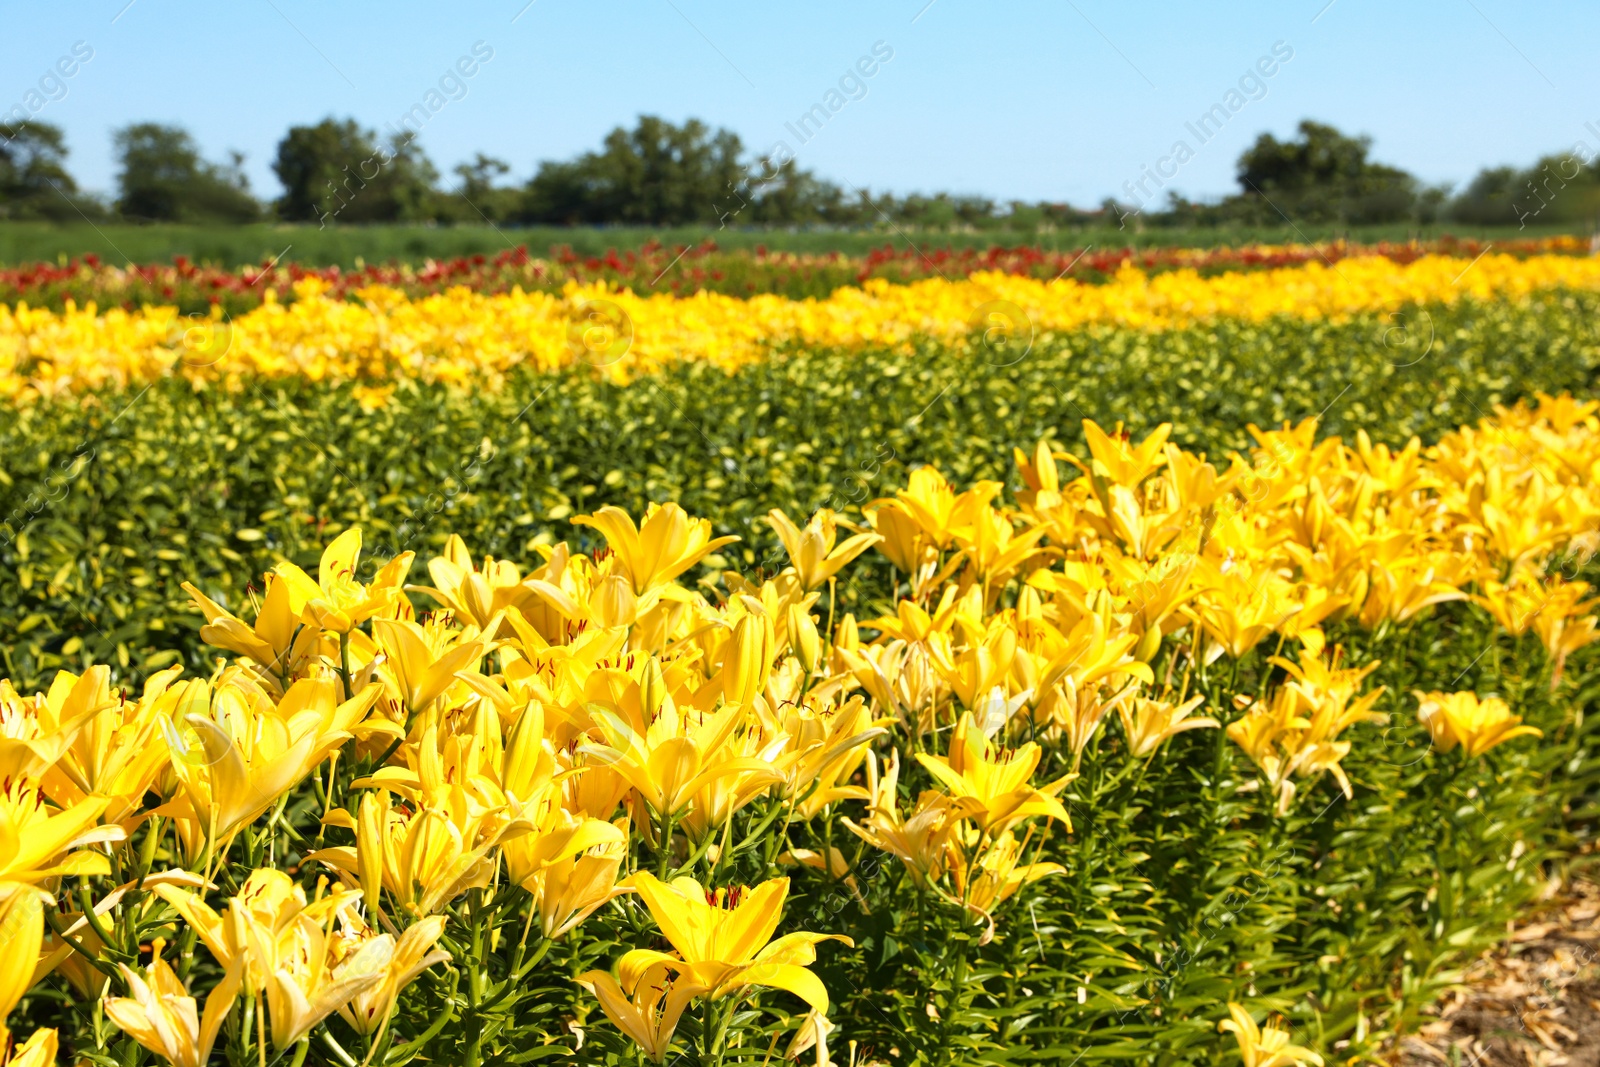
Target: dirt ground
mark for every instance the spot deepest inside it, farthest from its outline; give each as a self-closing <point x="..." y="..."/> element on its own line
<point x="1535" y="1002"/>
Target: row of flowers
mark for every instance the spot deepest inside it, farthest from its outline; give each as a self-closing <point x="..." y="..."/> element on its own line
<point x="462" y="336"/>
<point x="679" y="269"/>
<point x="485" y="778"/>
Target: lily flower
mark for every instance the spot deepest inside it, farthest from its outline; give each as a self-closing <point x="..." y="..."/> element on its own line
<point x="242" y="751"/>
<point x="36" y="733"/>
<point x="284" y="947"/>
<point x="336" y="601"/>
<point x="650" y="1015"/>
<point x="1463" y="719"/>
<point x="40" y="1050"/>
<point x="1148" y="724"/>
<point x="271" y="641"/>
<point x="812" y="551"/>
<point x="722" y="937"/>
<point x="421" y="662"/>
<point x="369" y="1010"/>
<point x="997" y="875"/>
<point x="1266" y="1046"/>
<point x="921" y="840"/>
<point x="570" y="890"/>
<point x="475" y="594"/>
<point x="37" y="843"/>
<point x="655" y="552"/>
<point x="996" y="781"/>
<point x="1119" y="461"/>
<point x="672" y="759"/>
<point x="162" y="1016"/>
<point x="22" y="923"/>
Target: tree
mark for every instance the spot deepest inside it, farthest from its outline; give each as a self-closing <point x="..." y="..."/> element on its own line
<point x="481" y="200"/>
<point x="34" y="183"/>
<point x="656" y="174"/>
<point x="781" y="194"/>
<point x="337" y="171"/>
<point x="163" y="178"/>
<point x="1322" y="176"/>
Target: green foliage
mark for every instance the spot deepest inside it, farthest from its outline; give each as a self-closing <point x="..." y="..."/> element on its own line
<point x="657" y="174"/>
<point x="339" y="171"/>
<point x="34" y="183"/>
<point x="162" y="178"/>
<point x="1557" y="189"/>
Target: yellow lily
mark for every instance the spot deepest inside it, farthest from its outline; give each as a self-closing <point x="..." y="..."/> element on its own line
<point x="272" y="641"/>
<point x="828" y="745"/>
<point x="900" y="536"/>
<point x="996" y="876"/>
<point x="421" y="662"/>
<point x="812" y="551"/>
<point x="570" y="890"/>
<point x="928" y="502"/>
<point x="35" y="734"/>
<point x="655" y="552"/>
<point x="259" y="927"/>
<point x="37" y="843"/>
<point x="368" y="1011"/>
<point x="284" y="948"/>
<point x="1120" y="462"/>
<point x="301" y="996"/>
<point x="1148" y="724"/>
<point x="336" y="601"/>
<point x="650" y="1016"/>
<point x="1463" y="719"/>
<point x="994" y="549"/>
<point x="117" y="755"/>
<point x="425" y="857"/>
<point x="1264" y="1046"/>
<point x="22" y="927"/>
<point x="162" y="1016"/>
<point x="747" y="658"/>
<point x="40" y="1050"/>
<point x="722" y="939"/>
<point x="474" y="594"/>
<point x="998" y="783"/>
<point x="921" y="840"/>
<point x="669" y="761"/>
<point x="977" y="669"/>
<point x="243" y="751"/>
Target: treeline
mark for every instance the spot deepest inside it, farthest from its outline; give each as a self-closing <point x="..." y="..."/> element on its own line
<point x="662" y="174"/>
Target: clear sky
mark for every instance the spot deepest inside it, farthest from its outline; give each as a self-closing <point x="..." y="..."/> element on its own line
<point x="1066" y="99"/>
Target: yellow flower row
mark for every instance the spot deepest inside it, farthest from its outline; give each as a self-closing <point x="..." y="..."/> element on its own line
<point x="462" y="335"/>
<point x="589" y="726"/>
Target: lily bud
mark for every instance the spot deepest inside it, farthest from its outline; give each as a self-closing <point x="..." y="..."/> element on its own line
<point x="1149" y="645"/>
<point x="847" y="635"/>
<point x="748" y="659"/>
<point x="613" y="602"/>
<point x="1029" y="606"/>
<point x="652" y="687"/>
<point x="803" y="637"/>
<point x="371" y="833"/>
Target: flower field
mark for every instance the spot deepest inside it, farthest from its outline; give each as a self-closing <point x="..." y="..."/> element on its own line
<point x="1185" y="666"/>
<point x="460" y="336"/>
<point x="678" y="269"/>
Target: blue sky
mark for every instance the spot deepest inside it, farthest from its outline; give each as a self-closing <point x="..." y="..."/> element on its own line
<point x="1052" y="100"/>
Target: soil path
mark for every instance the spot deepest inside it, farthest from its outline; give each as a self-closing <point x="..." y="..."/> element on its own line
<point x="1534" y="1002"/>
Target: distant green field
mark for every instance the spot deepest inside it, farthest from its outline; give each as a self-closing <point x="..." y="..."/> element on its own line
<point x="26" y="242"/>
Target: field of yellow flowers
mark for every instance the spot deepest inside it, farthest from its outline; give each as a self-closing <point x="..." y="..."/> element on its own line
<point x="1207" y="679"/>
<point x="378" y="334"/>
